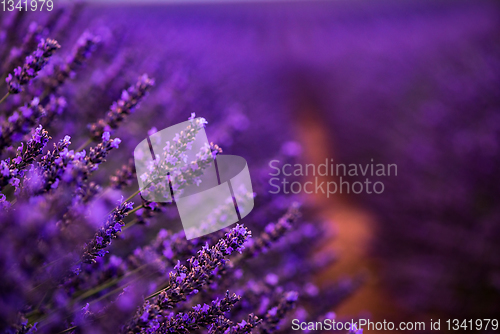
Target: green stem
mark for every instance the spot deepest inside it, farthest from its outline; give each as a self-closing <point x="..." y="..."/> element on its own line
<point x="52" y="262"/>
<point x="133" y="195"/>
<point x="5" y="97"/>
<point x="68" y="330"/>
<point x="45" y="93"/>
<point x="120" y="288"/>
<point x="107" y="189"/>
<point x="130" y="224"/>
<point x="87" y="143"/>
<point x="157" y="292"/>
<point x="136" y="208"/>
<point x="107" y="284"/>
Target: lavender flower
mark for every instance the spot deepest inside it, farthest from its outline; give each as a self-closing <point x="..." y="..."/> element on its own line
<point x="226" y="326"/>
<point x="51" y="166"/>
<point x="35" y="33"/>
<point x="77" y="167"/>
<point x="187" y="279"/>
<point x="120" y="109"/>
<point x="276" y="314"/>
<point x="11" y="171"/>
<point x="170" y="164"/>
<point x="83" y="49"/>
<point x="26" y="117"/>
<point x="274" y="231"/>
<point x="190" y="174"/>
<point x="168" y="248"/>
<point x="4" y="204"/>
<point x="200" y="316"/>
<point x="124" y="176"/>
<point x="97" y="155"/>
<point x="32" y="65"/>
<point x="103" y="237"/>
<point x="20" y="122"/>
<point x="22" y="326"/>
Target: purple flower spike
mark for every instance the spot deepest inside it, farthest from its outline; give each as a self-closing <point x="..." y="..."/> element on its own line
<point x="202" y="265"/>
<point x="76" y="168"/>
<point x="12" y="170"/>
<point x="103" y="237"/>
<point x="83" y="49"/>
<point x="21" y="122"/>
<point x="120" y="109"/>
<point x="197" y="272"/>
<point x="124" y="176"/>
<point x="197" y="318"/>
<point x="52" y="165"/>
<point x="274" y="232"/>
<point x="33" y="64"/>
<point x="276" y="314"/>
<point x="226" y="326"/>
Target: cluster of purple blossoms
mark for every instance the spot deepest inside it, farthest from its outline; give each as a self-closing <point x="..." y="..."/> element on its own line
<point x="123" y="107"/>
<point x="27" y="116"/>
<point x="33" y="64"/>
<point x="18" y="53"/>
<point x="75" y="261"/>
<point x="83" y="49"/>
<point x="102" y="239"/>
<point x="186" y="280"/>
<point x="12" y="170"/>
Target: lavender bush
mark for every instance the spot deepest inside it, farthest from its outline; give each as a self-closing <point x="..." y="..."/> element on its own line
<point x="77" y="257"/>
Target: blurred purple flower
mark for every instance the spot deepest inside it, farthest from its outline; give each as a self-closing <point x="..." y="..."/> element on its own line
<point x="22" y="75"/>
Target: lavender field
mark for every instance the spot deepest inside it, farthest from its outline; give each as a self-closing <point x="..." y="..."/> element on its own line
<point x="413" y="84"/>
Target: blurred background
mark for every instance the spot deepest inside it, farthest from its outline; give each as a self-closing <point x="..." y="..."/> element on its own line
<point x="412" y="83"/>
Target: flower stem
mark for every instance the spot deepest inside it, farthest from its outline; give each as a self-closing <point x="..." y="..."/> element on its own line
<point x="120" y="288"/>
<point x="130" y="224"/>
<point x="106" y="285"/>
<point x="135" y="209"/>
<point x="133" y="195"/>
<point x="88" y="142"/>
<point x="156" y="293"/>
<point x="5" y="97"/>
<point x="68" y="330"/>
